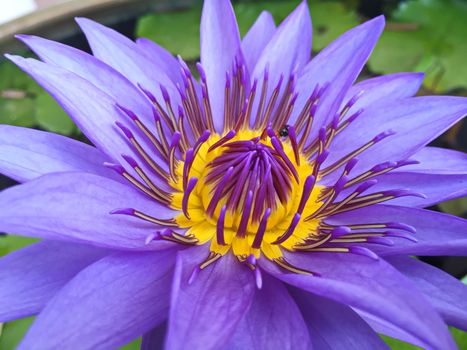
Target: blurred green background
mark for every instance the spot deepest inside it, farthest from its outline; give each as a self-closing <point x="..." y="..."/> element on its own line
<point x="421" y="35"/>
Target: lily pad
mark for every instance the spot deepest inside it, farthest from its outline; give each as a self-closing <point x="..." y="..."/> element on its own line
<point x="13" y="332"/>
<point x="456" y="207"/>
<point x="10" y="243"/>
<point x="396" y="344"/>
<point x="178" y="31"/>
<point x="16" y="99"/>
<point x="24" y="103"/>
<point x="460" y="337"/>
<point x="11" y="77"/>
<point x="51" y="117"/>
<point x="17" y="111"/>
<point x="134" y="345"/>
<point x="330" y="19"/>
<point x="428" y="36"/>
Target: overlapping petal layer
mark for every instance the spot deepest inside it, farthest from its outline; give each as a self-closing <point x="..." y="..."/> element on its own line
<point x="26" y="154"/>
<point x="30" y="277"/>
<point x="78" y="210"/>
<point x="128" y="291"/>
<point x="272" y="306"/>
<point x="437" y="233"/>
<point x="206" y="309"/>
<point x="374" y="287"/>
<point x="446" y="293"/>
<point x="321" y="314"/>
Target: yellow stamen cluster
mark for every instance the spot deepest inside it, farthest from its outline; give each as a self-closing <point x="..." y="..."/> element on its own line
<point x="203" y="226"/>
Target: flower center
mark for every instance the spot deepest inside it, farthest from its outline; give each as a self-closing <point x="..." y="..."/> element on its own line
<point x="248" y="192"/>
<point x="254" y="189"/>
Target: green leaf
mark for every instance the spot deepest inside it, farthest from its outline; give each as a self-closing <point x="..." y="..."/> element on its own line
<point x="134" y="345"/>
<point x="430" y="38"/>
<point x="460" y="337"/>
<point x="13" y="332"/>
<point x="397" y="51"/>
<point x="24" y="103"/>
<point x="17" y="111"/>
<point x="51" y="117"/>
<point x="178" y="32"/>
<point x="10" y="243"/>
<point x="396" y="344"/>
<point x="456" y="207"/>
<point x="16" y="98"/>
<point x="330" y="19"/>
<point x="11" y="77"/>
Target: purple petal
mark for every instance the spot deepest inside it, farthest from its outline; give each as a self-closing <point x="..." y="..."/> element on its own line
<point x="205" y="313"/>
<point x="162" y="58"/>
<point x="415" y="121"/>
<point x="391" y="87"/>
<point x="31" y="276"/>
<point x="220" y="44"/>
<point x="96" y="72"/>
<point x="382" y="327"/>
<point x="372" y="286"/>
<point x="126" y="57"/>
<point x="76" y="207"/>
<point x="257" y="38"/>
<point x="338" y="65"/>
<point x="289" y="49"/>
<point x="273" y="322"/>
<point x="27" y="153"/>
<point x="437" y="233"/>
<point x="335" y="326"/>
<point x="93" y="111"/>
<point x="446" y="293"/>
<point x="435" y="160"/>
<point x="436" y="187"/>
<point x="108" y="304"/>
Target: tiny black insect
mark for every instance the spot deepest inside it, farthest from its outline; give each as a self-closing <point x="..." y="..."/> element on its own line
<point x="284" y="131"/>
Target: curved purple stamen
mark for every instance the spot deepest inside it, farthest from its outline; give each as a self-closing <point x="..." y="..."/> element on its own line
<point x="191" y="185"/>
<point x="287" y="234"/>
<point x="261" y="229"/>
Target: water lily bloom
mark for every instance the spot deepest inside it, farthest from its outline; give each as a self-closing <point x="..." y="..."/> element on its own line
<point x="273" y="203"/>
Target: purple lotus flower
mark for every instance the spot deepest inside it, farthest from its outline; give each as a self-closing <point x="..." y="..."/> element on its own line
<point x="245" y="208"/>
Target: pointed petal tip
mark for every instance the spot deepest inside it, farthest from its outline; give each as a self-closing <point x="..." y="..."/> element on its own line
<point x="122" y="211"/>
<point x="79" y="19"/>
<point x="16" y="59"/>
<point x="24" y="37"/>
<point x="303" y="4"/>
<point x="413" y="75"/>
<point x="376" y="25"/>
<point x="380" y="20"/>
<point x="266" y="13"/>
<point x="421" y="75"/>
<point x="301" y="11"/>
<point x="84" y="22"/>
